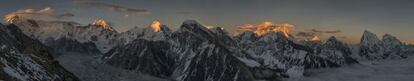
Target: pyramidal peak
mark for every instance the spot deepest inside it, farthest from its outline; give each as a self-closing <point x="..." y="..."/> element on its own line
<point x="156" y="31"/>
<point x="316" y="38"/>
<point x="11" y="18"/>
<point x="221" y="32"/>
<point x="218" y="30"/>
<point x="369" y="34"/>
<point x="273" y="36"/>
<point x="193" y="25"/>
<point x="190" y="22"/>
<point x="390" y="40"/>
<point x="389" y="37"/>
<point x="369" y="38"/>
<point x="332" y="41"/>
<point x="156" y="26"/>
<point x="332" y="38"/>
<point x="102" y="23"/>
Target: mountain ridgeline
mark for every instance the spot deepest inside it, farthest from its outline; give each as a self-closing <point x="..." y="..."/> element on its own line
<point x="26" y="59"/>
<point x="194" y="52"/>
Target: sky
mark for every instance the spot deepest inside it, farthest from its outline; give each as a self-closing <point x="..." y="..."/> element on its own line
<point x="350" y="17"/>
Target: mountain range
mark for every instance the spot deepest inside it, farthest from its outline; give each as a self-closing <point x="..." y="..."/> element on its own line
<point x="193" y="52"/>
<point x="26" y="59"/>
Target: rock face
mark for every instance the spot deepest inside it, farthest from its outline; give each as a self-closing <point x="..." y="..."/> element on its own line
<point x="149" y="57"/>
<point x="149" y="54"/>
<point x="334" y="53"/>
<point x="25" y="59"/>
<point x="192" y="53"/>
<point x="372" y="48"/>
<point x="393" y="48"/>
<point x="63" y="34"/>
<point x="206" y="58"/>
<point x="97" y="37"/>
<point x="196" y="53"/>
<point x="276" y="52"/>
<point x="223" y="35"/>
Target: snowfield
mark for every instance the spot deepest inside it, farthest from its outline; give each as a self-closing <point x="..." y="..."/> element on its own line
<point x="386" y="70"/>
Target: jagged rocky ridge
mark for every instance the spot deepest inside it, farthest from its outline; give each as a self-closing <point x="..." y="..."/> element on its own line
<point x="25" y="59"/>
<point x="194" y="52"/>
<point x="95" y="38"/>
<point x="275" y="51"/>
<point x="332" y="53"/>
<point x="372" y="48"/>
<point x="269" y="57"/>
<point x="70" y="36"/>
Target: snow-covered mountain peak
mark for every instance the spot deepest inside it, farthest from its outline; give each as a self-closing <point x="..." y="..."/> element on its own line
<point x="189" y="22"/>
<point x="26" y="59"/>
<point x="371" y="47"/>
<point x="196" y="28"/>
<point x="316" y="38"/>
<point x="390" y="41"/>
<point x="246" y="37"/>
<point x="332" y="39"/>
<point x="156" y="31"/>
<point x="274" y="36"/>
<point x="219" y="30"/>
<point x="369" y="39"/>
<point x="333" y="42"/>
<point x="247" y="34"/>
<point x="11" y="18"/>
<point x="193" y="25"/>
<point x="387" y="38"/>
<point x="102" y="23"/>
<point x="156" y="26"/>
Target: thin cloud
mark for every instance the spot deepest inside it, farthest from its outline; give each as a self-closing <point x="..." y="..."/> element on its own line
<point x="310" y="34"/>
<point x="185" y="13"/>
<point x="326" y="31"/>
<point x="265" y="27"/>
<point x="46" y="14"/>
<point x="112" y="7"/>
<point x="66" y="15"/>
<point x="306" y="34"/>
<point x="342" y="37"/>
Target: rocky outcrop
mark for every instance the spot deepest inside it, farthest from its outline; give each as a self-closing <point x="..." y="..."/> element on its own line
<point x="25" y="59"/>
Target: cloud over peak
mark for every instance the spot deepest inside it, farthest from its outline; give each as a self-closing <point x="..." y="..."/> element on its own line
<point x="316" y="33"/>
<point x="113" y="7"/>
<point x="326" y="31"/>
<point x="46" y="14"/>
<point x="265" y="27"/>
